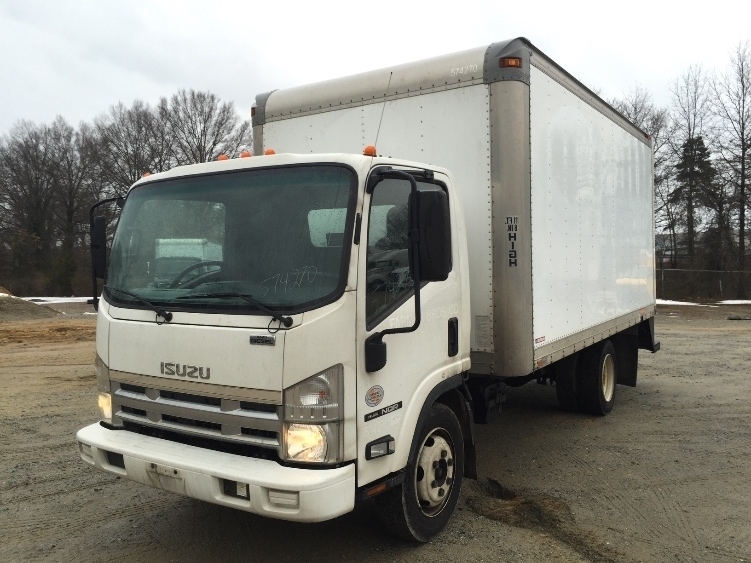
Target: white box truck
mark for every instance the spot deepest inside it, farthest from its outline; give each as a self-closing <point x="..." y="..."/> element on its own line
<point x="368" y="308"/>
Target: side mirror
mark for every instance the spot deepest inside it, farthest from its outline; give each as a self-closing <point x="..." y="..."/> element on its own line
<point x="434" y="228"/>
<point x="99" y="246"/>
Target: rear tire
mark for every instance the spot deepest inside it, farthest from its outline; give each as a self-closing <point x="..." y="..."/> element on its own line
<point x="422" y="505"/>
<point x="598" y="378"/>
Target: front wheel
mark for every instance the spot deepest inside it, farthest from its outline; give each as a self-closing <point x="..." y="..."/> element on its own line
<point x="421" y="506"/>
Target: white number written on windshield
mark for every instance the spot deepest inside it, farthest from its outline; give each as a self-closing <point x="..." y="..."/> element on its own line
<point x="288" y="281"/>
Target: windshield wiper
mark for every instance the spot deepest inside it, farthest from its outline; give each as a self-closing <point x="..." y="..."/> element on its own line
<point x="286" y="321"/>
<point x="166" y="315"/>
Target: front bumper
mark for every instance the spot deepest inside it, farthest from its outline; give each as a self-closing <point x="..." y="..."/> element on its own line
<point x="302" y="495"/>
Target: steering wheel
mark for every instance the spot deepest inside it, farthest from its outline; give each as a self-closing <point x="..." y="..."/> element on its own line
<point x="179" y="278"/>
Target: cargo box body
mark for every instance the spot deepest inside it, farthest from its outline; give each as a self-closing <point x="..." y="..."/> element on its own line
<point x="556" y="188"/>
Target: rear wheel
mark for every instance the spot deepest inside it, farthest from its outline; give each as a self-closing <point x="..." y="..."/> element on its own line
<point x="421" y="506"/>
<point x="598" y="379"/>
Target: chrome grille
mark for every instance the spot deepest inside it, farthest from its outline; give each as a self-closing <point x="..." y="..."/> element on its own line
<point x="227" y="420"/>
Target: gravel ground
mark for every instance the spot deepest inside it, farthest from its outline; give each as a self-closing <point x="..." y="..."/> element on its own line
<point x="664" y="477"/>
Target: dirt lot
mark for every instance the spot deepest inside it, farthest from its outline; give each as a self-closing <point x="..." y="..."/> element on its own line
<point x="665" y="477"/>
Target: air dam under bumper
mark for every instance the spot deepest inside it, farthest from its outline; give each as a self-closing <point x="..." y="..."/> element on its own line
<point x="302" y="495"/>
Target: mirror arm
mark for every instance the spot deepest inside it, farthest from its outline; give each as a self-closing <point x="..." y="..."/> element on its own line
<point x="120" y="200"/>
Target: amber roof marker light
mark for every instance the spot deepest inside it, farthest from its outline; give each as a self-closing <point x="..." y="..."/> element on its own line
<point x="370" y="150"/>
<point x="510" y="62"/>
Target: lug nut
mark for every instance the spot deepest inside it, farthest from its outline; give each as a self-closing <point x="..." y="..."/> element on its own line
<point x="441" y="492"/>
<point x="449" y="462"/>
<point x="435" y="465"/>
<point x="433" y="484"/>
<point x="444" y="453"/>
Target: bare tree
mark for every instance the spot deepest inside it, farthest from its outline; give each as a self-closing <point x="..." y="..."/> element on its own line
<point x="732" y="108"/>
<point x="202" y="127"/>
<point x="71" y="171"/>
<point x="717" y="197"/>
<point x="667" y="218"/>
<point x="27" y="194"/>
<point x="690" y="113"/>
<point x="128" y="143"/>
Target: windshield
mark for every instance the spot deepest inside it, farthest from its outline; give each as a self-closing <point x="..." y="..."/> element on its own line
<point x="277" y="235"/>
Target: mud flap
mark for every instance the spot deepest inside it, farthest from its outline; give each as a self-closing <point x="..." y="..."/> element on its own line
<point x="646" y="334"/>
<point x="626" y="357"/>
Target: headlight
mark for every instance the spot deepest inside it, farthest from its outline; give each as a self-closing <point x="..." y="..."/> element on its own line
<point x="306" y="442"/>
<point x="105" y="407"/>
<point x="313" y="410"/>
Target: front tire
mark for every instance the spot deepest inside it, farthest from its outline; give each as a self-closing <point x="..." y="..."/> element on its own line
<point x="599" y="379"/>
<point x="422" y="505"/>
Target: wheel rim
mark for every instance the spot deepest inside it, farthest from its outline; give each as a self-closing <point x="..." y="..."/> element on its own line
<point x="434" y="473"/>
<point x="608" y="378"/>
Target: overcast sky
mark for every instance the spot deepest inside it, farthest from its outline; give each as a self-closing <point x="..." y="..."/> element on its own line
<point x="76" y="58"/>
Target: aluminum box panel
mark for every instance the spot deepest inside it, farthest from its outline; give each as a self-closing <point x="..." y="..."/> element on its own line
<point x="592" y="248"/>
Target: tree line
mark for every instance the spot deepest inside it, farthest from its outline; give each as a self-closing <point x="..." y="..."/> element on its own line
<point x="51" y="174"/>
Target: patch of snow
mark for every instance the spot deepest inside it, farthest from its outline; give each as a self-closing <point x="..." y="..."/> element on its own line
<point x="56" y="300"/>
<point x="729" y="302"/>
<point x="669" y="302"/>
<point x="735" y="302"/>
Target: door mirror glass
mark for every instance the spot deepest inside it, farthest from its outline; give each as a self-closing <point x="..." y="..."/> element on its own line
<point x="99" y="246"/>
<point x="435" y="234"/>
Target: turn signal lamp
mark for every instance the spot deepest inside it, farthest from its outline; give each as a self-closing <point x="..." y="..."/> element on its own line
<point x="269" y="151"/>
<point x="370" y="150"/>
<point x="316" y="399"/>
<point x="510" y="62"/>
<point x="245" y="154"/>
<point x="377" y="490"/>
<point x="222" y="157"/>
